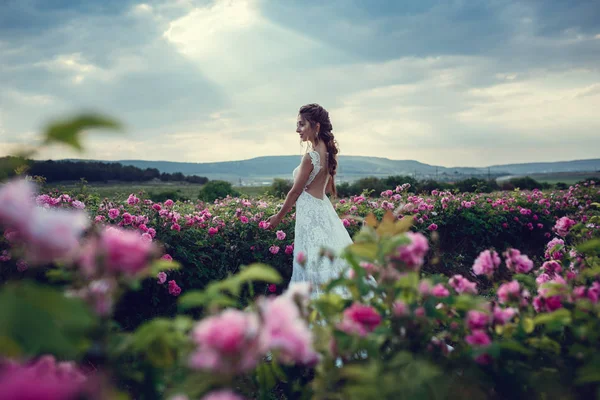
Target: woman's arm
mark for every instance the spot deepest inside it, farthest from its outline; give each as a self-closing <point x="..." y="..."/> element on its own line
<point x="306" y="168"/>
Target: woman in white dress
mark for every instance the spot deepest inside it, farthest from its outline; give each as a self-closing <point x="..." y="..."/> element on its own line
<point x="318" y="226"/>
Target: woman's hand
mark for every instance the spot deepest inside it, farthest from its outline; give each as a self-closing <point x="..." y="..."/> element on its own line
<point x="274" y="220"/>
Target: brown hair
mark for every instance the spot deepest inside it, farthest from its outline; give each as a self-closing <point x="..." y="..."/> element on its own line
<point x="314" y="114"/>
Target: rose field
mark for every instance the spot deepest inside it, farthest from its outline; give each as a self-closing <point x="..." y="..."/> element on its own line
<point x="447" y="295"/>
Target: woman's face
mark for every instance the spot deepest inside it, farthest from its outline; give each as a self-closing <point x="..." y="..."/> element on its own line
<point x="304" y="129"/>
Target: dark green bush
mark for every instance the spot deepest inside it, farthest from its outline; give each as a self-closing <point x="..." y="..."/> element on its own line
<point x="216" y="190"/>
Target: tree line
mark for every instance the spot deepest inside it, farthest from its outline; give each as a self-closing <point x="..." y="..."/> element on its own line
<point x="95" y="171"/>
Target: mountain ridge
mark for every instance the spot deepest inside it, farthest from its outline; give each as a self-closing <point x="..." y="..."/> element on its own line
<point x="265" y="168"/>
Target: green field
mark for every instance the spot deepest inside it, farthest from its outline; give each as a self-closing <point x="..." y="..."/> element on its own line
<point x="119" y="191"/>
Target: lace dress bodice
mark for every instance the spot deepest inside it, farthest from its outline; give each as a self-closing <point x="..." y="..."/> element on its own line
<point x="315" y="159"/>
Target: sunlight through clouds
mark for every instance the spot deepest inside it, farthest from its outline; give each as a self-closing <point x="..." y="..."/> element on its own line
<point x="440" y="82"/>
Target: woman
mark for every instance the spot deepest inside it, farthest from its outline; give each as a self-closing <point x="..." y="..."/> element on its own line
<point x="318" y="226"/>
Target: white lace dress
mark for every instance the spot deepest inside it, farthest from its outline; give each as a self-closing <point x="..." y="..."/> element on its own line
<point x="317" y="227"/>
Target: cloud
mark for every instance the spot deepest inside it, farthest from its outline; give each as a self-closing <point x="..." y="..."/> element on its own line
<point x="450" y="83"/>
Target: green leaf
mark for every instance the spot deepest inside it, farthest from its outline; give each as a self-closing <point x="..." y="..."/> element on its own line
<point x="163" y="265"/>
<point x="259" y="272"/>
<point x="198" y="299"/>
<point x="589" y="373"/>
<point x="68" y="131"/>
<point x="364" y="250"/>
<point x="39" y="319"/>
<point x="590" y="247"/>
<point x="559" y="317"/>
<point x="516" y="347"/>
<point x="159" y="341"/>
<point x="545" y="343"/>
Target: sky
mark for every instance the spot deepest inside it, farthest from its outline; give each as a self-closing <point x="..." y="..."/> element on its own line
<point x="444" y="82"/>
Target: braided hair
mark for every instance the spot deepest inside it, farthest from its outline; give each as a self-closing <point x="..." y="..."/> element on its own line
<point x="314" y="114"/>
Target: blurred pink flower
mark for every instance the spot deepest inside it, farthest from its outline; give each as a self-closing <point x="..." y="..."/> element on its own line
<point x="289" y="249"/>
<point x="16" y="202"/>
<point x="162" y="277"/>
<point x="226" y="343"/>
<point x="462" y="285"/>
<point x="224" y="394"/>
<point x="509" y="291"/>
<point x="477" y="320"/>
<point x="359" y="319"/>
<point x="400" y="309"/>
<point x="502" y="316"/>
<point x="113" y="213"/>
<point x="412" y="254"/>
<point x="43" y="379"/>
<point x="280" y="235"/>
<point x="478" y="338"/>
<point x="486" y="263"/>
<point x="125" y="251"/>
<point x="440" y="290"/>
<point x="285" y="332"/>
<point x="301" y="258"/>
<point x="517" y="262"/>
<point x="52" y="234"/>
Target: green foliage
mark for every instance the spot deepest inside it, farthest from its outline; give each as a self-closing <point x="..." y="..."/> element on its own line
<point x="528" y="183"/>
<point x="280" y="187"/>
<point x="214" y="190"/>
<point x="162" y="196"/>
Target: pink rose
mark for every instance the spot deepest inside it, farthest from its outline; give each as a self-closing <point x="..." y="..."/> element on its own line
<point x="400" y="309"/>
<point x="440" y="290"/>
<point x="162" y="277"/>
<point x="274" y="249"/>
<point x="462" y="285"/>
<point x="289" y="249"/>
<point x="509" y="292"/>
<point x="280" y="235"/>
<point x="517" y="262"/>
<point x="502" y="316"/>
<point x="563" y="225"/>
<point x="174" y="289"/>
<point x="359" y="319"/>
<point x="477" y="320"/>
<point x="478" y="339"/>
<point x="486" y="263"/>
<point x="412" y="254"/>
<point x="432" y="227"/>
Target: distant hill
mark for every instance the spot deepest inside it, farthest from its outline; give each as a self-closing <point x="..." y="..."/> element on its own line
<point x="265" y="169"/>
